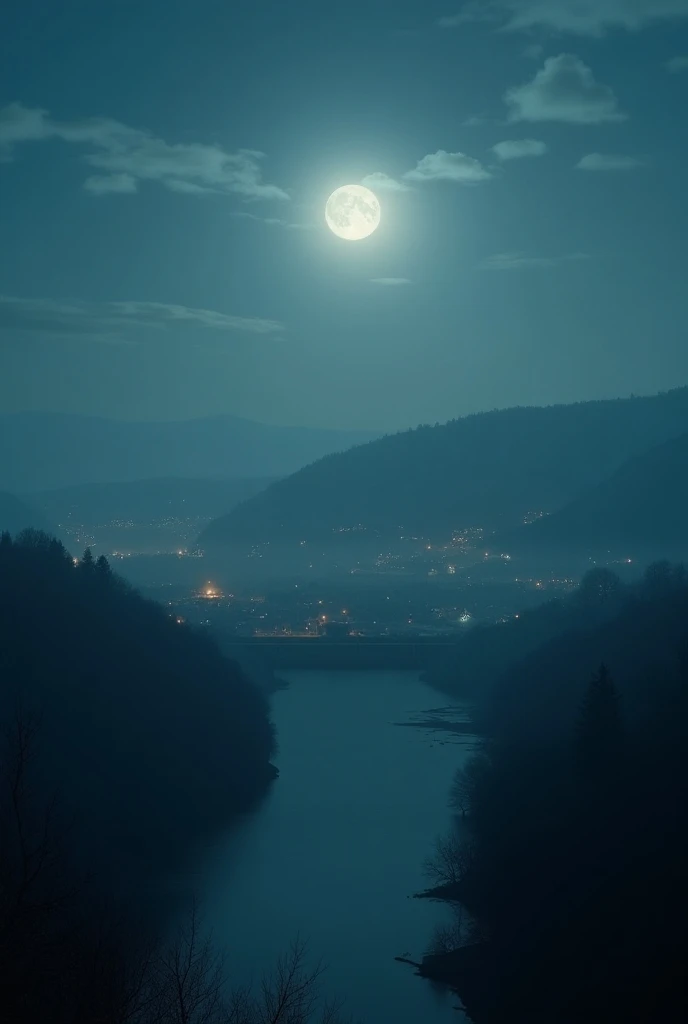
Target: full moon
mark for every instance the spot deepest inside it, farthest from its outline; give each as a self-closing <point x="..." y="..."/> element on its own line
<point x="352" y="212"/>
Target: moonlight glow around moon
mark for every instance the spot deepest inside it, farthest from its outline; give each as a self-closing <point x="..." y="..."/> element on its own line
<point x="352" y="212"/>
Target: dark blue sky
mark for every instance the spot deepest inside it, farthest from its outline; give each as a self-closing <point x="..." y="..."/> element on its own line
<point x="154" y="265"/>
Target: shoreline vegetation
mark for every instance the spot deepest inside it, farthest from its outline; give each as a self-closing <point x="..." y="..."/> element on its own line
<point x="126" y="737"/>
<point x="564" y="864"/>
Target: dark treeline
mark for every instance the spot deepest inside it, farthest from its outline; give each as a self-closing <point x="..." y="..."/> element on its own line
<point x="487" y="652"/>
<point x="125" y="737"/>
<point x="571" y="843"/>
<point x="144" y="722"/>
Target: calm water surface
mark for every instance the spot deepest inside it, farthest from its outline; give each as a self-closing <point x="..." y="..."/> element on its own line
<point x="337" y="847"/>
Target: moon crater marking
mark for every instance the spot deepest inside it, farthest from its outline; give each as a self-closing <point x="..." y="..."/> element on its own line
<point x="352" y="212"/>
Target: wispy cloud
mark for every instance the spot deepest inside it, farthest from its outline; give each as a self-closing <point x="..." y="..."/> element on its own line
<point x="273" y="221"/>
<point x="114" y="320"/>
<point x="517" y="149"/>
<point x="127" y="156"/>
<point x="473" y="10"/>
<point x="102" y="184"/>
<point x="443" y="166"/>
<point x="523" y="261"/>
<point x="676" y="65"/>
<point x="565" y="89"/>
<point x="609" y="162"/>
<point x="578" y="17"/>
<point x="391" y="282"/>
<point x="382" y="182"/>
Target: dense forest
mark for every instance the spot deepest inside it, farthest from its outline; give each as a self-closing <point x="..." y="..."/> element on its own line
<point x="642" y="508"/>
<point x="488" y="651"/>
<point x="486" y="470"/>
<point x="125" y="737"/>
<point x="570" y="847"/>
<point x="144" y="722"/>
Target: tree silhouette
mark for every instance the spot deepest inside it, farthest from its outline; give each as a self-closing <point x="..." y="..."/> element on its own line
<point x="598" y="587"/>
<point x="599" y="730"/>
<point x="103" y="569"/>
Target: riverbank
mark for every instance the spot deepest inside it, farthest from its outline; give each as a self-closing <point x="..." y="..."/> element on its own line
<point x="335" y="850"/>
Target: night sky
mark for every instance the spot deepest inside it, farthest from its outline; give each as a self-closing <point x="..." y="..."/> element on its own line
<point x="164" y="167"/>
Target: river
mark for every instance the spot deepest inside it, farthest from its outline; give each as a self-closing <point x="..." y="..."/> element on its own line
<point x="336" y="849"/>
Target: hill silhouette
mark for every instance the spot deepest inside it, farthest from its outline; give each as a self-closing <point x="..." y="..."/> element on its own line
<point x="641" y="509"/>
<point x="16" y="515"/>
<point x="43" y="451"/>
<point x="487" y="470"/>
<point x="145" y="500"/>
<point x="149" y="735"/>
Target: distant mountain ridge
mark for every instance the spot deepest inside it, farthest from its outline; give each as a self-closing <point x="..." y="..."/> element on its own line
<point x="43" y="451"/>
<point x="16" y="515"/>
<point x="146" y="500"/>
<point x="487" y="470"/>
<point x="641" y="509"/>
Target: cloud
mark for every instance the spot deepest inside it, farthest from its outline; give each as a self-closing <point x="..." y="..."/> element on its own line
<point x="443" y="166"/>
<point x="522" y="261"/>
<point x="383" y="182"/>
<point x="609" y="162"/>
<point x="676" y="65"/>
<point x="127" y="155"/>
<point x="565" y="89"/>
<point x="390" y="282"/>
<point x="516" y="149"/>
<point x="587" y="17"/>
<point x="101" y="184"/>
<point x="273" y="221"/>
<point x="474" y="10"/>
<point x="112" y="320"/>
<point x="578" y="17"/>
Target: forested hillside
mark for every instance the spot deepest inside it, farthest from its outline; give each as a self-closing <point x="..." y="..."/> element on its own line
<point x="570" y="852"/>
<point x="147" y="733"/>
<point x="486" y="470"/>
<point x="642" y="509"/>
